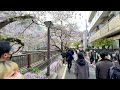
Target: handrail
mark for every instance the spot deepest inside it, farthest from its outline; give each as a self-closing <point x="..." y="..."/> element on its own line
<point x="26" y="60"/>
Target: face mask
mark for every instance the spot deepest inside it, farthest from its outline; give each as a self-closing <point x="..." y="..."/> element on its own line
<point x="10" y="56"/>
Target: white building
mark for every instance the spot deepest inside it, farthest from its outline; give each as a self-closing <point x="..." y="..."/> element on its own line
<point x="104" y="24"/>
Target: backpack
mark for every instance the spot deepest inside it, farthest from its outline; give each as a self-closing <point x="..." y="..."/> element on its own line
<point x="69" y="57"/>
<point x="114" y="72"/>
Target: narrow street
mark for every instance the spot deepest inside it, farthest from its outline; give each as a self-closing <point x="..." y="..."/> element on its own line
<point x="71" y="75"/>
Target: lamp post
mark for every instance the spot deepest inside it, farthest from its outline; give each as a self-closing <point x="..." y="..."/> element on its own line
<point x="48" y="24"/>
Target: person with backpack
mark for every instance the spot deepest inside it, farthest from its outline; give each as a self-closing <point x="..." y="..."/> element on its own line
<point x="102" y="66"/>
<point x="117" y="55"/>
<point x="69" y="58"/>
<point x="114" y="71"/>
<point x="81" y="68"/>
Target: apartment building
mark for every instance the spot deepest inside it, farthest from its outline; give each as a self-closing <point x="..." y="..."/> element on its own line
<point x="104" y="24"/>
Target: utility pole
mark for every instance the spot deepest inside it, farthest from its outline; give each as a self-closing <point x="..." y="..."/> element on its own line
<point x="48" y="24"/>
<point x="86" y="23"/>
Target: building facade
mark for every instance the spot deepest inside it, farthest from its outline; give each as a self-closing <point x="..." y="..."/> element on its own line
<point x="104" y="24"/>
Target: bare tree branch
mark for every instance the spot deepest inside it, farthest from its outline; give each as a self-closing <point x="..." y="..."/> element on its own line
<point x="27" y="27"/>
<point x="13" y="19"/>
<point x="55" y="44"/>
<point x="17" y="50"/>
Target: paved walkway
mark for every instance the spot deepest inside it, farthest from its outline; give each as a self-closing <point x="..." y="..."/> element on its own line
<point x="92" y="72"/>
<point x="64" y="74"/>
<point x="71" y="75"/>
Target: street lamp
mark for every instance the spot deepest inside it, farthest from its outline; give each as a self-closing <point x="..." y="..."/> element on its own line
<point x="48" y="24"/>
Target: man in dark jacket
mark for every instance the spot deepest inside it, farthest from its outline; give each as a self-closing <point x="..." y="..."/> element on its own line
<point x="69" y="59"/>
<point x="102" y="66"/>
<point x="114" y="71"/>
<point x="91" y="56"/>
<point x="96" y="56"/>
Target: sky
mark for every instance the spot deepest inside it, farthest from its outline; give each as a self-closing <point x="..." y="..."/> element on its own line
<point x="81" y="20"/>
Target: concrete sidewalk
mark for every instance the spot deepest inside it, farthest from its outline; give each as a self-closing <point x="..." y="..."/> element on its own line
<point x="70" y="75"/>
<point x="64" y="74"/>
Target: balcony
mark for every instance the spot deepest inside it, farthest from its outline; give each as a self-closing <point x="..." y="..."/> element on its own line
<point x="97" y="19"/>
<point x="110" y="29"/>
<point x="114" y="25"/>
<point x="104" y="31"/>
<point x="91" y="15"/>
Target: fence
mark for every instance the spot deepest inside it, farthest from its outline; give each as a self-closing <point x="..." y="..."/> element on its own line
<point x="32" y="59"/>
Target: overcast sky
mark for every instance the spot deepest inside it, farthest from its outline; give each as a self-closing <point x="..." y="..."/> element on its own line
<point x="80" y="19"/>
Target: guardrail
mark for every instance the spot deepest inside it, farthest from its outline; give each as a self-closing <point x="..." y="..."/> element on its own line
<point x="32" y="59"/>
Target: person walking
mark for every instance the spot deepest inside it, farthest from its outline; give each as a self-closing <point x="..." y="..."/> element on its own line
<point x="117" y="55"/>
<point x="75" y="56"/>
<point x="114" y="71"/>
<point x="91" y="56"/>
<point x="96" y="56"/>
<point x="69" y="58"/>
<point x="81" y="68"/>
<point x="102" y="66"/>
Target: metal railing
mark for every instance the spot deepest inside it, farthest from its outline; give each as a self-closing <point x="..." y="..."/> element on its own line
<point x="32" y="59"/>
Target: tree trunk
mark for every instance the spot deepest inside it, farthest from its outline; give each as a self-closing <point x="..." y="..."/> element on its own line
<point x="61" y="46"/>
<point x="13" y="19"/>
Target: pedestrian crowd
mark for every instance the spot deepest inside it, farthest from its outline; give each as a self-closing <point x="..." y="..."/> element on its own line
<point x="107" y="64"/>
<point x="81" y="65"/>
